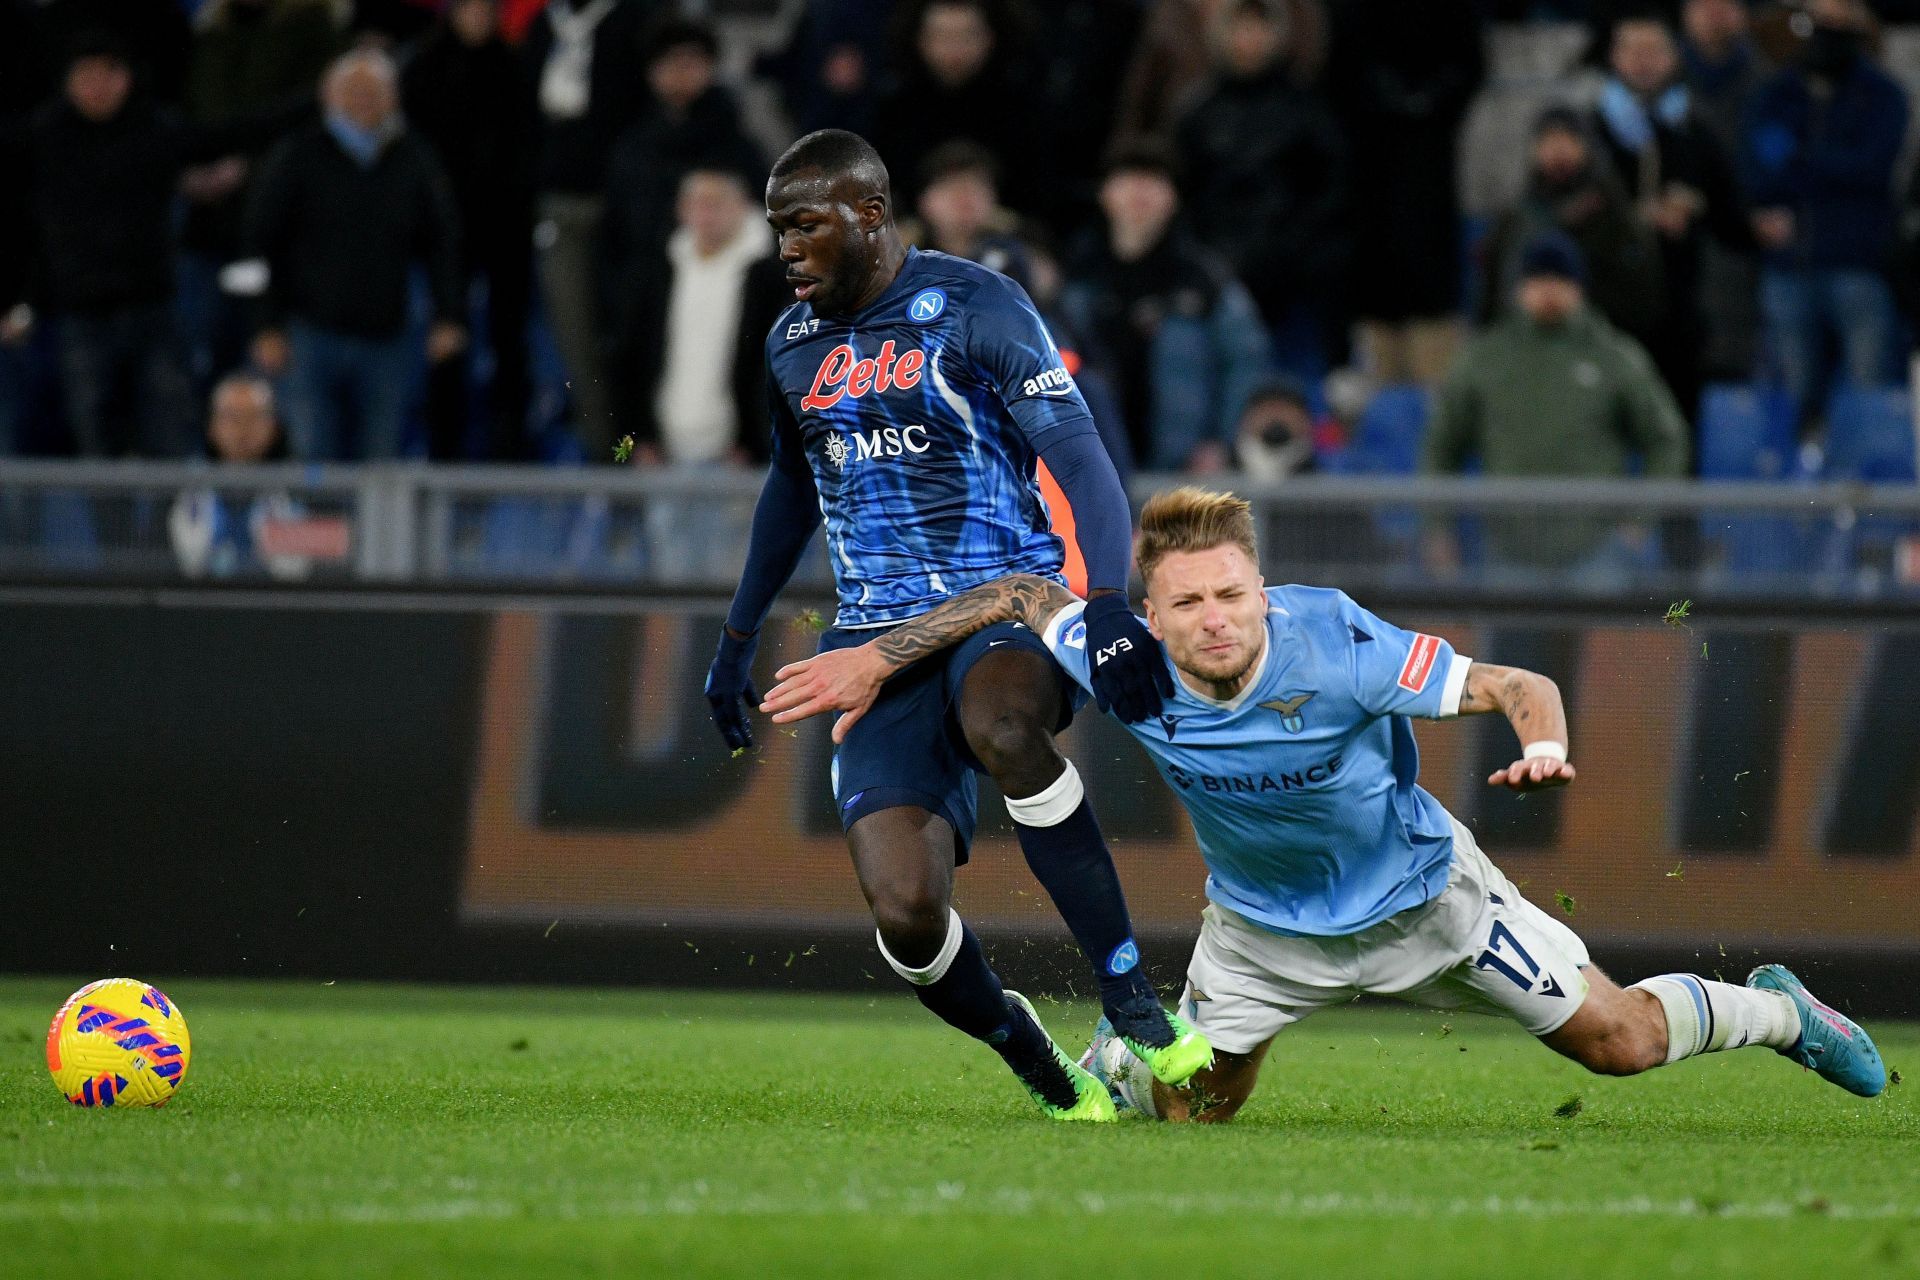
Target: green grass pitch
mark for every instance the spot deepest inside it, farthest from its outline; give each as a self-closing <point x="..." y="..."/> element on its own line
<point x="389" y="1131"/>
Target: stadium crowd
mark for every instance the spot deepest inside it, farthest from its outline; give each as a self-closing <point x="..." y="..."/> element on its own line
<point x="519" y="229"/>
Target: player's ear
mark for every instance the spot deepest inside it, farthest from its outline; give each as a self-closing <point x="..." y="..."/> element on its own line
<point x="1153" y="621"/>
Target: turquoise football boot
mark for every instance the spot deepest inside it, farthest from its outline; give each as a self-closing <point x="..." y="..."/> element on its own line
<point x="1830" y="1042"/>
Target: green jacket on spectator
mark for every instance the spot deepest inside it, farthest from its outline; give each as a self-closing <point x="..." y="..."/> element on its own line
<point x="1575" y="399"/>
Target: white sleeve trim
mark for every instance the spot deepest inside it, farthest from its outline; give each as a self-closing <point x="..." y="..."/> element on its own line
<point x="1057" y="625"/>
<point x="1455" y="687"/>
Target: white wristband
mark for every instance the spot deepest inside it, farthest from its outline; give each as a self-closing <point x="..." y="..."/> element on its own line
<point x="1546" y="748"/>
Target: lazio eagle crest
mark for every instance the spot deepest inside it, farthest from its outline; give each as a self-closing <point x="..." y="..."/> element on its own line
<point x="1289" y="708"/>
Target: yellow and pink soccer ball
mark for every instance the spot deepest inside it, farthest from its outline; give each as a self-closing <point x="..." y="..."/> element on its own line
<point x="118" y="1043"/>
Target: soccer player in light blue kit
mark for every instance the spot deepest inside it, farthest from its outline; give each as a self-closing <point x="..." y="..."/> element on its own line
<point x="1332" y="873"/>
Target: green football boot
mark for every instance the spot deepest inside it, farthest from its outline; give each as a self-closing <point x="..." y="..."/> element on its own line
<point x="1831" y="1044"/>
<point x="1174" y="1064"/>
<point x="1092" y="1102"/>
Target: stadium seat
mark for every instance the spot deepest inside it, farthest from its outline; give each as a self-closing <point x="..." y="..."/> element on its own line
<point x="1870" y="440"/>
<point x="1387" y="439"/>
<point x="1747" y="433"/>
<point x="1870" y="435"/>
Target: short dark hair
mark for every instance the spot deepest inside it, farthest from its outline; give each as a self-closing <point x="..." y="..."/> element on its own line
<point x="961" y="156"/>
<point x="679" y="33"/>
<point x="1142" y="155"/>
<point x="836" y="152"/>
<point x="99" y="42"/>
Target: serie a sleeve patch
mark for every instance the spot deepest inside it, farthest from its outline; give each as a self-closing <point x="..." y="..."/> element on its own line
<point x="1418" y="668"/>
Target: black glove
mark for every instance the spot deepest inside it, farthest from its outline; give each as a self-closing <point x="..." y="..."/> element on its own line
<point x="729" y="683"/>
<point x="1129" y="675"/>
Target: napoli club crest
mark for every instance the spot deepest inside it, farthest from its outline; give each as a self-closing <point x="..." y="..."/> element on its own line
<point x="927" y="305"/>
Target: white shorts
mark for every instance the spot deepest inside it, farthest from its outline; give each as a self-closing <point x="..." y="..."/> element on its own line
<point x="1478" y="946"/>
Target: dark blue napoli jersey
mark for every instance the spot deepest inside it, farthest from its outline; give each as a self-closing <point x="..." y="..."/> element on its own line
<point x="920" y="420"/>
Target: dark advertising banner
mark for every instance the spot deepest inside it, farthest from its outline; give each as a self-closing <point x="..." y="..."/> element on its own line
<point x="1738" y="785"/>
<point x="267" y="783"/>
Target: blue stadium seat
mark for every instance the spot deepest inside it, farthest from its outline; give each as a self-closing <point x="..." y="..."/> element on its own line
<point x="1746" y="433"/>
<point x="1387" y="439"/>
<point x="1870" y="435"/>
<point x="1870" y="439"/>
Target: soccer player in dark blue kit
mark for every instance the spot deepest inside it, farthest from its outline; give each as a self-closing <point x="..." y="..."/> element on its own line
<point x="911" y="394"/>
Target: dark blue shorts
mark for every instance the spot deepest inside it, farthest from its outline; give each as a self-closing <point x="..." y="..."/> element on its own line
<point x="909" y="751"/>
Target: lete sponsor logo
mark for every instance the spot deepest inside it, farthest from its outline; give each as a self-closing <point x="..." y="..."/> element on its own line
<point x="1419" y="665"/>
<point x="845" y="375"/>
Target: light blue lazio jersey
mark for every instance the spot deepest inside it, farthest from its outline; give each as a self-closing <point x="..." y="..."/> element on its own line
<point x="1302" y="788"/>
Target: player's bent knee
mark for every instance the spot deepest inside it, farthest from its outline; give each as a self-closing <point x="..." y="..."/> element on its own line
<point x="912" y="916"/>
<point x="1010" y="742"/>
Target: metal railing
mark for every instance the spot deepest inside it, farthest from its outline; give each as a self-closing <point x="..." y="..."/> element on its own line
<point x="617" y="528"/>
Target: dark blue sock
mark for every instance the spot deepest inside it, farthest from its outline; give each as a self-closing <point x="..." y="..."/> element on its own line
<point x="968" y="997"/>
<point x="1070" y="858"/>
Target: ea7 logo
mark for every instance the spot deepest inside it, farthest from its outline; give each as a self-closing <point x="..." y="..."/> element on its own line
<point x="1053" y="382"/>
<point x="1112" y="651"/>
<point x="801" y="328"/>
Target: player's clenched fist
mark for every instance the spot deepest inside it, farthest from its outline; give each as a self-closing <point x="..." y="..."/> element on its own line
<point x="730" y="688"/>
<point x="1129" y="675"/>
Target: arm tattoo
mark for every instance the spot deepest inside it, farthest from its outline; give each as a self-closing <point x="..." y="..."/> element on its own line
<point x="1020" y="598"/>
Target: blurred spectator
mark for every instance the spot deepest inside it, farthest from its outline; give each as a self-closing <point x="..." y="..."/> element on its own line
<point x="340" y="216"/>
<point x="1275" y="437"/>
<point x="690" y="123"/>
<point x="829" y="71"/>
<point x="101" y="164"/>
<point x="465" y="95"/>
<point x="1681" y="183"/>
<point x="691" y="365"/>
<point x="590" y="79"/>
<point x="1821" y="146"/>
<point x="955" y="79"/>
<point x="156" y="39"/>
<point x="1265" y="170"/>
<point x="692" y="342"/>
<point x="1401" y="75"/>
<point x="1723" y="67"/>
<point x="1177" y="52"/>
<point x="1571" y="188"/>
<point x="248" y="55"/>
<point x="960" y="212"/>
<point x="1182" y="337"/>
<point x="1078" y="71"/>
<point x="219" y="534"/>
<point x="1554" y="390"/>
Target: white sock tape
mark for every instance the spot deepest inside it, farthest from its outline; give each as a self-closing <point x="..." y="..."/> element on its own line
<point x="1053" y="806"/>
<point x="1547" y="748"/>
<point x="942" y="961"/>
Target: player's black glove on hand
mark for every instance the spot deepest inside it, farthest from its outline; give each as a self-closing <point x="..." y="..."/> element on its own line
<point x="1128" y="673"/>
<point x="730" y="690"/>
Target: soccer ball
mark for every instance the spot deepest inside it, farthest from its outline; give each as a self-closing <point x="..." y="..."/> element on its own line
<point x="118" y="1043"/>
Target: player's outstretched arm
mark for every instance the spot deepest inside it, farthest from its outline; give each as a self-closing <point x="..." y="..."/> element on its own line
<point x="848" y="680"/>
<point x="1532" y="704"/>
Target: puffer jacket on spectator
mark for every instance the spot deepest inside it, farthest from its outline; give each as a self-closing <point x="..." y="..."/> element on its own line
<point x="1265" y="186"/>
<point x="1181" y="337"/>
<point x="1829" y="159"/>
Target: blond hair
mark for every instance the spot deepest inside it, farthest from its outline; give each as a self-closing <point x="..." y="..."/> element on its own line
<point x="1192" y="519"/>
